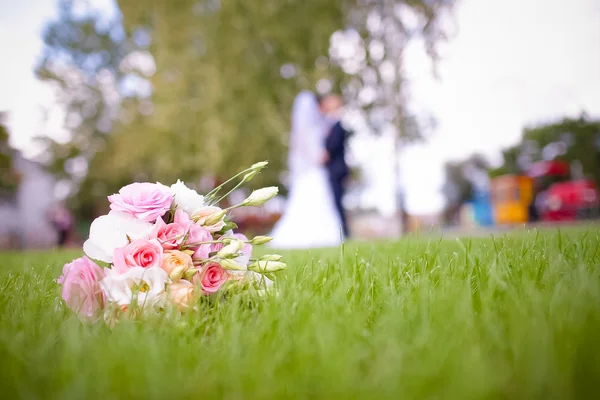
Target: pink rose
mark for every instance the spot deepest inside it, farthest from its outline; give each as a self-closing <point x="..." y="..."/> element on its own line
<point x="146" y="201"/>
<point x="211" y="278"/>
<point x="139" y="253"/>
<point x="216" y="247"/>
<point x="196" y="234"/>
<point x="81" y="288"/>
<point x="181" y="217"/>
<point x="203" y="250"/>
<point x="171" y="235"/>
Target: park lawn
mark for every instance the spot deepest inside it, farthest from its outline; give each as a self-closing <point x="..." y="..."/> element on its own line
<point x="511" y="317"/>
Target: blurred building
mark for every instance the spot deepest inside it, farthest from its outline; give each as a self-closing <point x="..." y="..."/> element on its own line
<point x="23" y="214"/>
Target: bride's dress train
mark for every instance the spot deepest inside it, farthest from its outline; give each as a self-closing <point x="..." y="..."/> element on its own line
<point x="310" y="219"/>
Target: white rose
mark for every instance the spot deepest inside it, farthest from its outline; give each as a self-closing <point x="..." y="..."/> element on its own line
<point x="110" y="232"/>
<point x="144" y="285"/>
<point x="186" y="199"/>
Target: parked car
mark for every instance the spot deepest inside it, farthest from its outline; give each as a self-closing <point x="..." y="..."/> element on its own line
<point x="571" y="200"/>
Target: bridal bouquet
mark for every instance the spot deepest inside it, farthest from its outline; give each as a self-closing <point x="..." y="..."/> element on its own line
<point x="162" y="247"/>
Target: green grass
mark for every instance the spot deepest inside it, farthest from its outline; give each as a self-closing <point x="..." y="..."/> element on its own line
<point x="515" y="317"/>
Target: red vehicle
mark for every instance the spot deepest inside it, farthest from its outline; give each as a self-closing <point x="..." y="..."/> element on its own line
<point x="571" y="200"/>
<point x="561" y="199"/>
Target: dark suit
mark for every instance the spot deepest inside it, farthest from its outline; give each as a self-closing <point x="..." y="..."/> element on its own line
<point x="335" y="144"/>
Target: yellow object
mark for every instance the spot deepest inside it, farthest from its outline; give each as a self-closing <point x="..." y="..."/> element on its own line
<point x="511" y="197"/>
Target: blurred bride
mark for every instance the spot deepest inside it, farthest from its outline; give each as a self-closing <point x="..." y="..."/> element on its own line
<point x="310" y="218"/>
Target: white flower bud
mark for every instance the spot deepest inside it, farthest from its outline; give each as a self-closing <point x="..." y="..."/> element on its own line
<point x="231" y="250"/>
<point x="258" y="240"/>
<point x="267" y="266"/>
<point x="259" y="165"/>
<point x="271" y="257"/>
<point x="215" y="218"/>
<point x="248" y="176"/>
<point x="232" y="265"/>
<point x="189" y="274"/>
<point x="254" y="169"/>
<point x="260" y="196"/>
<point x="177" y="273"/>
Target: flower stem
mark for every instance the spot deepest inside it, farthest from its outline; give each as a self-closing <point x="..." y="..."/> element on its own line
<point x="216" y="189"/>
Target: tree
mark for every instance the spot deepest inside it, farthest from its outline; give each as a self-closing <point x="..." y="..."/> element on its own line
<point x="220" y="78"/>
<point x="510" y="165"/>
<point x="297" y="39"/>
<point x="9" y="177"/>
<point x="375" y="81"/>
<point x="82" y="58"/>
<point x="219" y="82"/>
<point x="574" y="140"/>
<point x="462" y="179"/>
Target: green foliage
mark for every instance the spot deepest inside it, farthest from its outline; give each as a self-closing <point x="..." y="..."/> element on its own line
<point x="9" y="177"/>
<point x="581" y="139"/>
<point x="513" y="317"/>
<point x="571" y="140"/>
<point x="510" y="164"/>
<point x="81" y="58"/>
<point x="218" y="101"/>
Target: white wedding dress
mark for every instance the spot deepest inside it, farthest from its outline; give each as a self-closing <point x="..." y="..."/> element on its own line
<point x="310" y="219"/>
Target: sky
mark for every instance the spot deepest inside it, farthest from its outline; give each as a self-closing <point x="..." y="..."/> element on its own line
<point x="507" y="64"/>
<point x="21" y="25"/>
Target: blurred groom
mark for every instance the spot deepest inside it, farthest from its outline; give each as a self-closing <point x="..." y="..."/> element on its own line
<point x="335" y="157"/>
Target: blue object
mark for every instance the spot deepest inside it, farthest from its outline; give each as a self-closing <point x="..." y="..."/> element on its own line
<point x="482" y="208"/>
